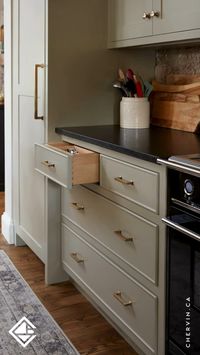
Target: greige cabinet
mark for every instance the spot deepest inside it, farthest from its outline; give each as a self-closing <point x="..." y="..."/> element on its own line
<point x="113" y="245"/>
<point x="41" y="31"/>
<point x="28" y="49"/>
<point x="126" y="19"/>
<point x="106" y="233"/>
<point x="176" y="15"/>
<point x="143" y="22"/>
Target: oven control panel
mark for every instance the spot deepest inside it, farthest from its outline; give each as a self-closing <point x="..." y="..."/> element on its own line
<point x="184" y="187"/>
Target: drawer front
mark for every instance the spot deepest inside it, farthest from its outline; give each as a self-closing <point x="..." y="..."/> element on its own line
<point x="130" y="237"/>
<point x="112" y="287"/>
<point x="54" y="165"/>
<point x="67" y="164"/>
<point x="131" y="182"/>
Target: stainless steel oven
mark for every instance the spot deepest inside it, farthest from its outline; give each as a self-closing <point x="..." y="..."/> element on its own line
<point x="183" y="259"/>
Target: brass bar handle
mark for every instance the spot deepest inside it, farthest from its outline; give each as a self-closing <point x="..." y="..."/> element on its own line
<point x="118" y="296"/>
<point x="77" y="206"/>
<point x="48" y="164"/>
<point x="120" y="234"/>
<point x="78" y="258"/>
<point x="124" y="181"/>
<point x="37" y="66"/>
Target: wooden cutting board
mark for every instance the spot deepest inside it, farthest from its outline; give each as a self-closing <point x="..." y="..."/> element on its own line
<point x="177" y="115"/>
<point x="177" y="104"/>
<point x="192" y="88"/>
<point x="182" y="79"/>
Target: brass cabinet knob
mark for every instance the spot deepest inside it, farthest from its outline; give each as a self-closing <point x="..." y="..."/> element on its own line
<point x="154" y="13"/>
<point x="146" y="15"/>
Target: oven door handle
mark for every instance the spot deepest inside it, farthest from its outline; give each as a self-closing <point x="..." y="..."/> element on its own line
<point x="181" y="229"/>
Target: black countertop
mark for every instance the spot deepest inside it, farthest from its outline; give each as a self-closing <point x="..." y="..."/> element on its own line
<point x="147" y="144"/>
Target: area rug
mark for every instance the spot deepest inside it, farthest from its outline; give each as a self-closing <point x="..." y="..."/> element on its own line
<point x="36" y="332"/>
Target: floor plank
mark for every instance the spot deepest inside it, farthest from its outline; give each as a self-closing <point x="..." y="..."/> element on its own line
<point x="85" y="327"/>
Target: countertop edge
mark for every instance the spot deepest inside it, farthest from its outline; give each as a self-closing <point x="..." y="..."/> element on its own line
<point x="107" y="145"/>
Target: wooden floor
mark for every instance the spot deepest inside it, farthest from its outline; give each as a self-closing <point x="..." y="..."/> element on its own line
<point x="83" y="325"/>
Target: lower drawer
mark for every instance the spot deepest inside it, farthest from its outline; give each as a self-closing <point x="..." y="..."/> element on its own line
<point x="133" y="239"/>
<point x="130" y="302"/>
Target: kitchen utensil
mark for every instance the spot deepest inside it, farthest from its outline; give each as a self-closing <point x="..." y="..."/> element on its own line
<point x="130" y="84"/>
<point x="122" y="77"/>
<point x="123" y="89"/>
<point x="148" y="88"/>
<point x="138" y="86"/>
<point x="129" y="74"/>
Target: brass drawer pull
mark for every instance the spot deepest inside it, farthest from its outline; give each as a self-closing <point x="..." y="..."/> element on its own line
<point x="118" y="296"/>
<point x="78" y="258"/>
<point x="37" y="66"/>
<point x="46" y="163"/>
<point x="121" y="235"/>
<point x="123" y="181"/>
<point x="77" y="206"/>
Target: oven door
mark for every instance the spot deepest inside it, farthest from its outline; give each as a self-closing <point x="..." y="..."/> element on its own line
<point x="183" y="286"/>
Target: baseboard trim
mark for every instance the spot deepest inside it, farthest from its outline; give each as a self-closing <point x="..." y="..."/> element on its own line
<point x="7" y="228"/>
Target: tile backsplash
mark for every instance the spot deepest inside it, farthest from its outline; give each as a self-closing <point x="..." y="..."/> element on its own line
<point x="180" y="60"/>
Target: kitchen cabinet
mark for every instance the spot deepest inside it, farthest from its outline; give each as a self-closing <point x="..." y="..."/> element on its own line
<point x="118" y="234"/>
<point x="131" y="305"/>
<point x="133" y="23"/>
<point x="126" y="19"/>
<point x="113" y="228"/>
<point x="45" y="39"/>
<point x="44" y="35"/>
<point x="29" y="38"/>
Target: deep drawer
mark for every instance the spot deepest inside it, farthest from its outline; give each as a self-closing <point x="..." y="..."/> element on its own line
<point x="131" y="182"/>
<point x="67" y="164"/>
<point x="131" y="303"/>
<point x="131" y="238"/>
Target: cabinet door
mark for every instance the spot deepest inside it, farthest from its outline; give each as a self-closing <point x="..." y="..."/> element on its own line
<point x="29" y="32"/>
<point x="176" y="15"/>
<point x="126" y="19"/>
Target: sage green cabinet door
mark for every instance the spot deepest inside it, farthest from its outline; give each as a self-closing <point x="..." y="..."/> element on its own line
<point x="126" y="19"/>
<point x="176" y="15"/>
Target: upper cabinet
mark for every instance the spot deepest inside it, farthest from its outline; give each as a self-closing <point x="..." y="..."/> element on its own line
<point x="144" y="22"/>
<point x="126" y="19"/>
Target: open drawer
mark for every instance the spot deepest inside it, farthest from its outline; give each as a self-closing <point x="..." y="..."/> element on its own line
<point x="67" y="164"/>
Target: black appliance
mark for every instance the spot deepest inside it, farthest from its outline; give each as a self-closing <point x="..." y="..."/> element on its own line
<point x="183" y="256"/>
